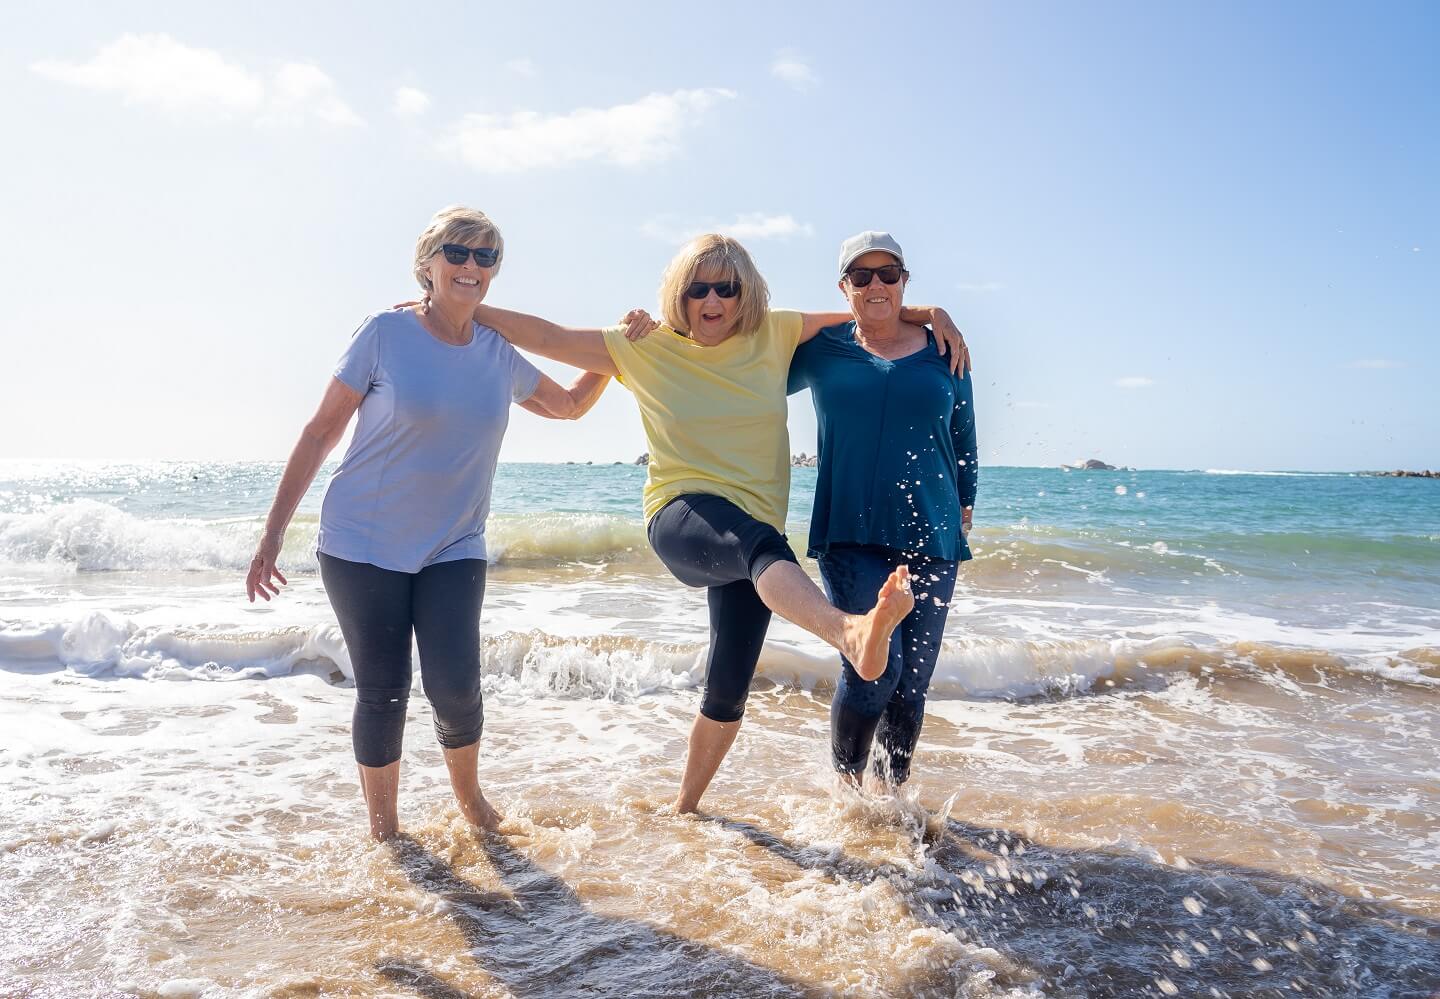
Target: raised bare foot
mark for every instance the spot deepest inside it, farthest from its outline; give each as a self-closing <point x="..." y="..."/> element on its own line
<point x="869" y="637"/>
<point x="479" y="812"/>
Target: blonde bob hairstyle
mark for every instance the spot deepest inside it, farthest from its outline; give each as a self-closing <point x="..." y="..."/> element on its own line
<point x="719" y="258"/>
<point x="456" y="224"/>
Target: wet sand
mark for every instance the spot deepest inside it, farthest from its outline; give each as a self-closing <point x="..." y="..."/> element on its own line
<point x="1178" y="833"/>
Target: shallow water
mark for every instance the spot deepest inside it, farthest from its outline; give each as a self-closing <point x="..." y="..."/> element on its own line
<point x="1192" y="771"/>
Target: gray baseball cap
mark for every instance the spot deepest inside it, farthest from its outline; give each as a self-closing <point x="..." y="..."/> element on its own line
<point x="859" y="245"/>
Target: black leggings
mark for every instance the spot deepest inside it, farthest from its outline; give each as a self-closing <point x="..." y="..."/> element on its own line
<point x="890" y="709"/>
<point x="708" y="541"/>
<point x="378" y="610"/>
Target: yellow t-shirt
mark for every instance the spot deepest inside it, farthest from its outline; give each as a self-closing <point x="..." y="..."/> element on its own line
<point x="714" y="416"/>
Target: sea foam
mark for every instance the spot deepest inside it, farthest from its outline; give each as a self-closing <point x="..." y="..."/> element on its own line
<point x="88" y="535"/>
<point x="623" y="668"/>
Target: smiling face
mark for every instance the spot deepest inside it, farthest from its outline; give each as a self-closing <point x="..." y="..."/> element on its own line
<point x="461" y="285"/>
<point x="712" y="319"/>
<point x="877" y="302"/>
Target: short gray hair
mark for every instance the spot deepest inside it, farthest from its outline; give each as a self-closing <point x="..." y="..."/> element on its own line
<point x="456" y="224"/>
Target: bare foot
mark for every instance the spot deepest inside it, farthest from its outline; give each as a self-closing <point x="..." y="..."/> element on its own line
<point x="382" y="829"/>
<point x="869" y="637"/>
<point x="683" y="807"/>
<point x="479" y="812"/>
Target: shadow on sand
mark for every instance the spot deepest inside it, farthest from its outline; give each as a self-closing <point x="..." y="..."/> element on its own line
<point x="1097" y="924"/>
<point x="538" y="939"/>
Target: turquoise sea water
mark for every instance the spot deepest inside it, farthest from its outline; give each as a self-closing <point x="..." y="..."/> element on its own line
<point x="1276" y="533"/>
<point x="1340" y="564"/>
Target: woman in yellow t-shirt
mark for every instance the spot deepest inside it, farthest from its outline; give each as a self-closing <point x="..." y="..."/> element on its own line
<point x="710" y="383"/>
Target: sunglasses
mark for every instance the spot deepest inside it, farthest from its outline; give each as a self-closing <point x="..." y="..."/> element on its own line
<point x="485" y="256"/>
<point x="700" y="289"/>
<point x="890" y="274"/>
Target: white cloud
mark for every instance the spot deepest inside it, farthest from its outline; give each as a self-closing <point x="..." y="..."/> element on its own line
<point x="300" y="91"/>
<point x="626" y="135"/>
<point x="752" y="225"/>
<point x="980" y="287"/>
<point x="1375" y="364"/>
<point x="410" y="101"/>
<point x="158" y="71"/>
<point x="794" y="70"/>
<point x="1134" y="382"/>
<point x="523" y="67"/>
<point x="1031" y="404"/>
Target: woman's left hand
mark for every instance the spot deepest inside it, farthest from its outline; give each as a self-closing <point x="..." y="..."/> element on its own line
<point x="638" y="325"/>
<point x="949" y="342"/>
<point x="967" y="520"/>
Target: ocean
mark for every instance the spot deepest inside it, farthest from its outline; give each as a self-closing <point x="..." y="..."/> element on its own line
<point x="1181" y="740"/>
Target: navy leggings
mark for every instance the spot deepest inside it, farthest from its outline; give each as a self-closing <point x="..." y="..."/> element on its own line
<point x="708" y="541"/>
<point x="378" y="610"/>
<point x="890" y="709"/>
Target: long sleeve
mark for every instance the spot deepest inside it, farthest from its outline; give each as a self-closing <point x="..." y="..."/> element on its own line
<point x="962" y="435"/>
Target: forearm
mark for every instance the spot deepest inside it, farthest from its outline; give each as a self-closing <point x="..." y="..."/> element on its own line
<point x="968" y="477"/>
<point x="921" y="315"/>
<point x="305" y="461"/>
<point x="584" y="392"/>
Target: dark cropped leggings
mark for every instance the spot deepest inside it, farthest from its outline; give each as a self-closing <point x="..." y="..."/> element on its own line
<point x="708" y="541"/>
<point x="378" y="610"/>
<point x="891" y="709"/>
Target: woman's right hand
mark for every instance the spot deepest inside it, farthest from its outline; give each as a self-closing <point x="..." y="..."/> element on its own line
<point x="638" y="325"/>
<point x="262" y="575"/>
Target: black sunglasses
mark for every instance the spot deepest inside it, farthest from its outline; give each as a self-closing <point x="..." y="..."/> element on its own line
<point x="485" y="256"/>
<point x="700" y="289"/>
<point x="890" y="274"/>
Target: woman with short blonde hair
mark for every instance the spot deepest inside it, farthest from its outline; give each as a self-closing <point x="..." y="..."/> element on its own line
<point x="402" y="527"/>
<point x="714" y="254"/>
<point x="710" y="383"/>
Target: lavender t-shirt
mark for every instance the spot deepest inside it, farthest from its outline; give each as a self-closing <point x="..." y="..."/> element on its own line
<point x="414" y="486"/>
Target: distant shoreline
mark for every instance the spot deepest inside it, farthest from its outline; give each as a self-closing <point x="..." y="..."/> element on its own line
<point x="608" y="463"/>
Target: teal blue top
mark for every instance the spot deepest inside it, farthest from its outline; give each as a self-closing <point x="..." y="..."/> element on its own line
<point x="897" y="446"/>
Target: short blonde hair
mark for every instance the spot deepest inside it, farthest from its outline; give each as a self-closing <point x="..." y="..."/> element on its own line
<point x="714" y="253"/>
<point x="456" y="224"/>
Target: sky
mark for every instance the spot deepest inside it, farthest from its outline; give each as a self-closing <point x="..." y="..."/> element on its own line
<point x="1175" y="236"/>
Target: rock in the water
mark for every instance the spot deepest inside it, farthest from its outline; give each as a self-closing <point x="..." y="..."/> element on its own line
<point x="1094" y="465"/>
<point x="644" y="459"/>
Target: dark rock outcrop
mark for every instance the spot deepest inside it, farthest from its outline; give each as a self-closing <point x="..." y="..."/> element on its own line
<point x="1095" y="465"/>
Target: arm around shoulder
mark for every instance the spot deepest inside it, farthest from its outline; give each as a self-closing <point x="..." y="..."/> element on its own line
<point x="581" y="348"/>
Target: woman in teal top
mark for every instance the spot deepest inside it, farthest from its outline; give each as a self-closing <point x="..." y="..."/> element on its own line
<point x="896" y="486"/>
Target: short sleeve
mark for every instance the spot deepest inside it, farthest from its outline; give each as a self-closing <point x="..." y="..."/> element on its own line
<point x="787" y="325"/>
<point x="621" y="350"/>
<point x="524" y="376"/>
<point x="358" y="365"/>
